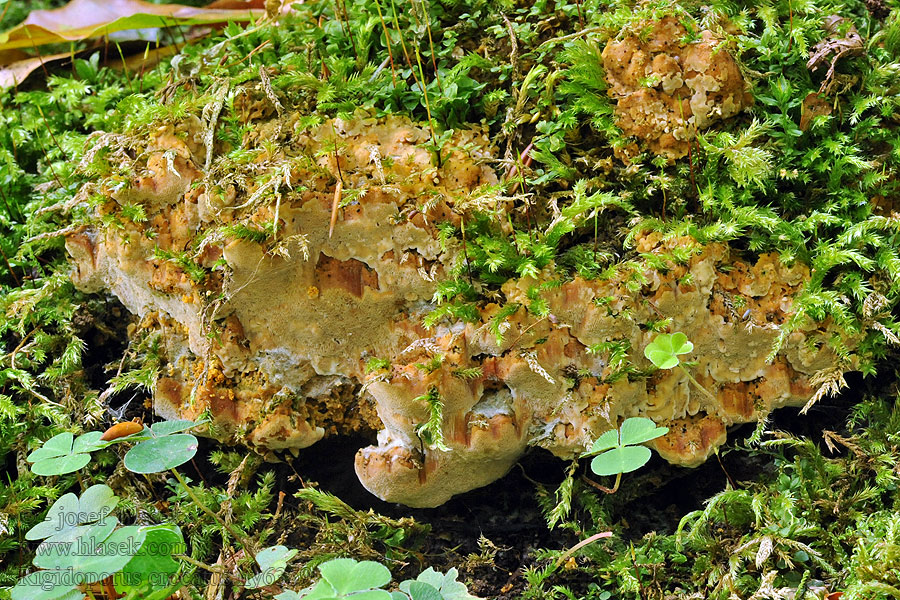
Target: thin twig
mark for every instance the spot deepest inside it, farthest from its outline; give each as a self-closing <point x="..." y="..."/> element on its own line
<point x="582" y="544"/>
<point x="571" y="36"/>
<point x="603" y="488"/>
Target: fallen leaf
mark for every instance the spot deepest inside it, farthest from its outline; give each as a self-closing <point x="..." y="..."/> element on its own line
<point x="15" y="73"/>
<point x="84" y="19"/>
<point x="813" y="106"/>
<point x="834" y="47"/>
<point x="11" y="56"/>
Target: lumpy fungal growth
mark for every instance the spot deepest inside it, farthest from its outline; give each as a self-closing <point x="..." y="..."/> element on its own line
<point x="668" y="87"/>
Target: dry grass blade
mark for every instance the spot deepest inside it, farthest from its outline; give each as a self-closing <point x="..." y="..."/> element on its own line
<point x="335" y="205"/>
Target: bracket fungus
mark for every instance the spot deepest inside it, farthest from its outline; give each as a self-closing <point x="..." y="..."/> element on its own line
<point x="274" y="340"/>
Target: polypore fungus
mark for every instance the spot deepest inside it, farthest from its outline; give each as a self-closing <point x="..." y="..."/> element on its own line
<point x="275" y="343"/>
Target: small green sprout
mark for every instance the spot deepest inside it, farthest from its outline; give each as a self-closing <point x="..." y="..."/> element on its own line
<point x="162" y="446"/>
<point x="431" y="432"/>
<point x="619" y="451"/>
<point x="136" y="556"/>
<point x="348" y="579"/>
<point x="467" y="373"/>
<point x="377" y="364"/>
<point x="664" y="351"/>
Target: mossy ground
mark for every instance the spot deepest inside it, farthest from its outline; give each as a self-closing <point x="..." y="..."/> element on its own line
<point x="805" y="515"/>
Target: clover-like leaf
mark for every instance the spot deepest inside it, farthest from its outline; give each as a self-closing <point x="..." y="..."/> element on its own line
<point x="95" y="555"/>
<point x="321" y="590"/>
<point x="153" y="564"/>
<point x="56" y="519"/>
<point x="45" y="585"/>
<point x="346" y="575"/>
<point x="58" y="550"/>
<point x="446" y="584"/>
<point x="607" y="440"/>
<point x="59" y="445"/>
<point x="69" y="512"/>
<point x="89" y="442"/>
<point x="96" y="502"/>
<point x="64" y="454"/>
<point x="664" y="350"/>
<point x="371" y="595"/>
<point x="161" y="453"/>
<point x="272" y="562"/>
<point x="638" y="430"/>
<point x="162" y="428"/>
<point x="624" y="459"/>
<point x="419" y="590"/>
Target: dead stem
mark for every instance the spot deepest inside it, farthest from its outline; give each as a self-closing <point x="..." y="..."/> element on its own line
<point x="387" y="41"/>
<point x="437" y="75"/>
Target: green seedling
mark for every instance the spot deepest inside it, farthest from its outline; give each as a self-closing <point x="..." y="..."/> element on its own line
<point x="433" y="585"/>
<point x="348" y="579"/>
<point x="272" y="562"/>
<point x="619" y="451"/>
<point x="161" y="447"/>
<point x="345" y="578"/>
<point x="664" y="351"/>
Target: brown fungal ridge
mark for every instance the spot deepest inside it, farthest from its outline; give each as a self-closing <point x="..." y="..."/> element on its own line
<point x="276" y="345"/>
<point x="349" y="275"/>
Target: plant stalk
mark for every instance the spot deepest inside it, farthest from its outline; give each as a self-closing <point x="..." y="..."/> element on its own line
<point x="235" y="533"/>
<point x="705" y="391"/>
<point x="582" y="544"/>
<point x="603" y="488"/>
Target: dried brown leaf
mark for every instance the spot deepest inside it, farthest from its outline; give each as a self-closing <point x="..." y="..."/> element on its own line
<point x="85" y="19"/>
